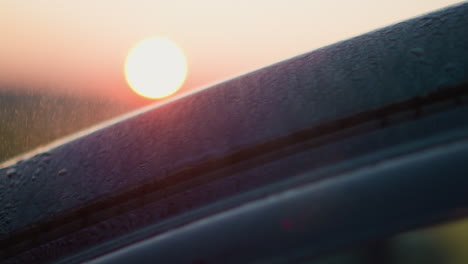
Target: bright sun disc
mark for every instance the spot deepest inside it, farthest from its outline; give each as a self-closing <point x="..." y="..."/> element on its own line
<point x="155" y="68"/>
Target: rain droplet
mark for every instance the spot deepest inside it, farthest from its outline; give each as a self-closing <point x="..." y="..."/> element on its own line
<point x="11" y="173"/>
<point x="450" y="67"/>
<point x="418" y="52"/>
<point x="46" y="158"/>
<point x="62" y="172"/>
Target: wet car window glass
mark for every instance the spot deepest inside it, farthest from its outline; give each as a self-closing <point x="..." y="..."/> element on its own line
<point x="67" y="66"/>
<point x="445" y="243"/>
<point x="62" y="62"/>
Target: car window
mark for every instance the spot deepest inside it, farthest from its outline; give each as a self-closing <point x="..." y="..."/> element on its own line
<point x="64" y="65"/>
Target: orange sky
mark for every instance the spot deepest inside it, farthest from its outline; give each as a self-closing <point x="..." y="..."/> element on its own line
<point x="79" y="47"/>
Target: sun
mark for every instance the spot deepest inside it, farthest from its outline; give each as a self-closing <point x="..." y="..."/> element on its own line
<point x="155" y="68"/>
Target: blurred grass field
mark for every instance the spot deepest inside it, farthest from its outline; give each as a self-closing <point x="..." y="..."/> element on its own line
<point x="28" y="121"/>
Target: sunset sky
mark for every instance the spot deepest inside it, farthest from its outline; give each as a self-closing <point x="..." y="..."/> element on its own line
<point x="79" y="47"/>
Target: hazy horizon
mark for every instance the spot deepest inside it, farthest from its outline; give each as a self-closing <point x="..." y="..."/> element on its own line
<point x="78" y="48"/>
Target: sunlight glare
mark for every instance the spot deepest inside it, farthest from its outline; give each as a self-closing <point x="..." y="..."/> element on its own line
<point x="155" y="68"/>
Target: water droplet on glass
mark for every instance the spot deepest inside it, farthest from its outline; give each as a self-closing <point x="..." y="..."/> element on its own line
<point x="450" y="67"/>
<point x="418" y="52"/>
<point x="11" y="173"/>
<point x="62" y="172"/>
<point x="46" y="158"/>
